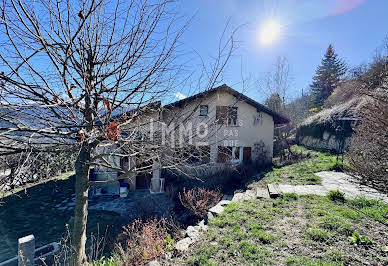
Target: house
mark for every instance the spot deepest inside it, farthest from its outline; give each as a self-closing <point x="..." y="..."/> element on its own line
<point x="221" y="126"/>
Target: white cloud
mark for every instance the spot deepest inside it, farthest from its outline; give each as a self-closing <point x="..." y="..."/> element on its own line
<point x="179" y="95"/>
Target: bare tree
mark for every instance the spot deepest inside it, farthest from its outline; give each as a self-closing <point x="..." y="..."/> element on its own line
<point x="75" y="75"/>
<point x="276" y="83"/>
<point x="275" y="86"/>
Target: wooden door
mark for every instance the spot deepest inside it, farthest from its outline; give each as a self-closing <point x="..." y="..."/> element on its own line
<point x="247" y="154"/>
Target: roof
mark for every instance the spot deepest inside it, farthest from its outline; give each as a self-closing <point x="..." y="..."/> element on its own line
<point x="350" y="110"/>
<point x="278" y="119"/>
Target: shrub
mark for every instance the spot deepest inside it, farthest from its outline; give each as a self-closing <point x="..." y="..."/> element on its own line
<point x="142" y="242"/>
<point x="336" y="195"/>
<point x="368" y="150"/>
<point x="199" y="200"/>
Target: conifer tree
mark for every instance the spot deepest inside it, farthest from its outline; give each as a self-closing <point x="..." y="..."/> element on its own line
<point x="328" y="76"/>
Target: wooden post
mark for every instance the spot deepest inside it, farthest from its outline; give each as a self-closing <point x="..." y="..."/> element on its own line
<point x="26" y="250"/>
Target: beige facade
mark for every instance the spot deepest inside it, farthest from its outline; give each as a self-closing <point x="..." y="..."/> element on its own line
<point x="225" y="126"/>
<point x="253" y="127"/>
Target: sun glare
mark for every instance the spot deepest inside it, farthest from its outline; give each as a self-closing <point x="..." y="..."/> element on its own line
<point x="270" y="32"/>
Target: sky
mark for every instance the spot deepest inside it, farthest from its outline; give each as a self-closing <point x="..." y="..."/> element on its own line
<point x="356" y="28"/>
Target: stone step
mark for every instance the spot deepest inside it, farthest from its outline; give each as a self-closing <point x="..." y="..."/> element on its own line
<point x="262" y="193"/>
<point x="274" y="190"/>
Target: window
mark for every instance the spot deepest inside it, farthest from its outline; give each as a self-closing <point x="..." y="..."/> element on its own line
<point x="205" y="154"/>
<point x="224" y="154"/>
<point x="236" y="154"/>
<point x="232" y="116"/>
<point x="226" y="115"/>
<point x="221" y="114"/>
<point x="229" y="154"/>
<point x="203" y="110"/>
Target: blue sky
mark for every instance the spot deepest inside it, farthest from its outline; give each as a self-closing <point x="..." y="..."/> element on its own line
<point x="355" y="28"/>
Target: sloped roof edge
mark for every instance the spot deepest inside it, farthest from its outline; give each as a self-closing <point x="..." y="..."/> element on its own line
<point x="278" y="119"/>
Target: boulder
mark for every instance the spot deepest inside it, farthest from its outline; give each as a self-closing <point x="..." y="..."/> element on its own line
<point x="238" y="197"/>
<point x="183" y="244"/>
<point x="209" y="216"/>
<point x="202" y="225"/>
<point x="250" y="194"/>
<point x="217" y="209"/>
<point x="193" y="232"/>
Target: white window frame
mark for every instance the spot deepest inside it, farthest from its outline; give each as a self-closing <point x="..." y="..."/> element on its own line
<point x="207" y="110"/>
<point x="239" y="160"/>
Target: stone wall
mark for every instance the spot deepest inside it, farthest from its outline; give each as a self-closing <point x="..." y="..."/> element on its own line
<point x="328" y="142"/>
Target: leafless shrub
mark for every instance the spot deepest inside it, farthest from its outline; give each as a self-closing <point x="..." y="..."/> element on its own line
<point x="369" y="147"/>
<point x="142" y="242"/>
<point x="199" y="200"/>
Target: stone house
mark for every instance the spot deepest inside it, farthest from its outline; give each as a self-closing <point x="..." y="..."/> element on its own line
<point x="226" y="127"/>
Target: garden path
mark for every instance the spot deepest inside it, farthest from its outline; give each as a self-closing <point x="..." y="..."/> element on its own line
<point x="333" y="181"/>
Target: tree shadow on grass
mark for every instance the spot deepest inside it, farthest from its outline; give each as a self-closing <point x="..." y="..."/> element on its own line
<point x="44" y="210"/>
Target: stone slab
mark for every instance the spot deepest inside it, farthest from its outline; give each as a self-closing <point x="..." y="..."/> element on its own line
<point x="274" y="190"/>
<point x="238" y="197"/>
<point x="262" y="193"/>
<point x="217" y="209"/>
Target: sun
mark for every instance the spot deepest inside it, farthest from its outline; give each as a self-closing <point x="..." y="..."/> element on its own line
<point x="270" y="31"/>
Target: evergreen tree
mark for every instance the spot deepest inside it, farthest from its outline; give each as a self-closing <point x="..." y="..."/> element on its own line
<point x="328" y="76"/>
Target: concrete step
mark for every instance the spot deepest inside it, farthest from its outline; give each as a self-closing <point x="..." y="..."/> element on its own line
<point x="274" y="190"/>
<point x="262" y="193"/>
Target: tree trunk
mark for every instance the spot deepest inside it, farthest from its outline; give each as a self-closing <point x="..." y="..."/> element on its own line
<point x="81" y="206"/>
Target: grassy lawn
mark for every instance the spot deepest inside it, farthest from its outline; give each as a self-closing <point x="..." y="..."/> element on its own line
<point x="293" y="230"/>
<point x="302" y="173"/>
<point x="34" y="211"/>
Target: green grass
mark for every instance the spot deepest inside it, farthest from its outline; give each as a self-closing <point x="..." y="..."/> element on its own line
<point x="293" y="230"/>
<point x="302" y="173"/>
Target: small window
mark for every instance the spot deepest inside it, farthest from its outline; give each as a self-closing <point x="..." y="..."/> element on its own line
<point x="221" y="114"/>
<point x="229" y="154"/>
<point x="226" y="115"/>
<point x="203" y="110"/>
<point x="232" y="116"/>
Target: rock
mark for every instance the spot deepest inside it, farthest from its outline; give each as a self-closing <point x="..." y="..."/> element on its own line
<point x="224" y="202"/>
<point x="183" y="244"/>
<point x="250" y="194"/>
<point x="274" y="190"/>
<point x="167" y="255"/>
<point x="238" y="197"/>
<point x="153" y="263"/>
<point x="193" y="232"/>
<point x="209" y="216"/>
<point x="217" y="209"/>
<point x="262" y="193"/>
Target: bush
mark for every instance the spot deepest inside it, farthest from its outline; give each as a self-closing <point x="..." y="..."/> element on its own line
<point x="368" y="150"/>
<point x="336" y="195"/>
<point x="199" y="200"/>
<point x="142" y="242"/>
